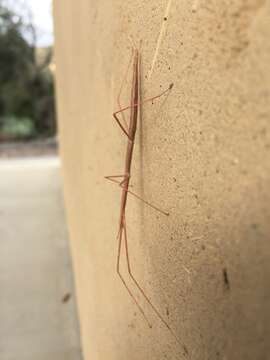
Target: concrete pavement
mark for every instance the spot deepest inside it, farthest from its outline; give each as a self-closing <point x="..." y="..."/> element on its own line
<point x="38" y="319"/>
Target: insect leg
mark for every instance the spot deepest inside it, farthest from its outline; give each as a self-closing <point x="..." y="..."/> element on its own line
<point x="156" y="311"/>
<point x="124" y="127"/>
<point x="122" y="183"/>
<point x="120" y="234"/>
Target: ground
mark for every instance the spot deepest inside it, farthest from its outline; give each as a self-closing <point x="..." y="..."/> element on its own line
<point x="43" y="147"/>
<point x="37" y="303"/>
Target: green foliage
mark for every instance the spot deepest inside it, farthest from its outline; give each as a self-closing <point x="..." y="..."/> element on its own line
<point x="14" y="128"/>
<point x="26" y="87"/>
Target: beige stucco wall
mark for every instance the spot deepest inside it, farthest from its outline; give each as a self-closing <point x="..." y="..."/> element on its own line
<point x="203" y="155"/>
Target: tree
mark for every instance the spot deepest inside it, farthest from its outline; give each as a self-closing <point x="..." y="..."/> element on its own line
<point x="26" y="86"/>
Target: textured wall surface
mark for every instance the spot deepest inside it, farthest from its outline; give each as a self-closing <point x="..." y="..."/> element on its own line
<point x="202" y="153"/>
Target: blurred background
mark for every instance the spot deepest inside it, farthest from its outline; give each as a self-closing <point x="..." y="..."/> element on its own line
<point x="38" y="318"/>
<point x="27" y="108"/>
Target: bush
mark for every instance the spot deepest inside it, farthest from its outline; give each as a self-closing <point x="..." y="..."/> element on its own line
<point x="14" y="128"/>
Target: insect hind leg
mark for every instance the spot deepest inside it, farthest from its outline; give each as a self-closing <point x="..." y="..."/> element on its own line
<point x="120" y="235"/>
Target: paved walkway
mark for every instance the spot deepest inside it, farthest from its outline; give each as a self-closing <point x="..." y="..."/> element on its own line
<point x="37" y="306"/>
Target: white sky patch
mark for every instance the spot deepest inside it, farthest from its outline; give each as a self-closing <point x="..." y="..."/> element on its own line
<point x="41" y="17"/>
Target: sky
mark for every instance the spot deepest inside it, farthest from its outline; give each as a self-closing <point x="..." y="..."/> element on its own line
<point x="42" y="18"/>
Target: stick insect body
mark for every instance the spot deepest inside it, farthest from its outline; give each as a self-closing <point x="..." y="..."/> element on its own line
<point x="130" y="132"/>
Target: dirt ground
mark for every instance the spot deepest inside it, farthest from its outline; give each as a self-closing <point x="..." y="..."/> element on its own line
<point x="42" y="147"/>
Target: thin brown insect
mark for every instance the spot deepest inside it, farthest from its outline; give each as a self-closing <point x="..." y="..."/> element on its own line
<point x="130" y="131"/>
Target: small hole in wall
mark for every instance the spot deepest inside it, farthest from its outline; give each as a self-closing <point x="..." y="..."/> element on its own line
<point x="165" y="18"/>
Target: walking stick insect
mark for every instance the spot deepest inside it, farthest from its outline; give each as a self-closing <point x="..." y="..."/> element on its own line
<point x="130" y="131"/>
